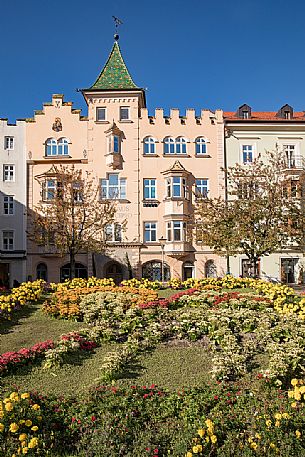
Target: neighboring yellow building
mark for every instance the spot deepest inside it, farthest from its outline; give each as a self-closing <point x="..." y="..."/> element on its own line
<point x="152" y="166"/>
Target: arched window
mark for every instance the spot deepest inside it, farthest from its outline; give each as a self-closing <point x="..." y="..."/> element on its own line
<point x="181" y="145"/>
<point x="63" y="147"/>
<point x="210" y="269"/>
<point x="169" y="145"/>
<point x="80" y="271"/>
<point x="149" y="145"/>
<point x="201" y="146"/>
<point x="51" y="147"/>
<point x="42" y="271"/>
<point x="153" y="271"/>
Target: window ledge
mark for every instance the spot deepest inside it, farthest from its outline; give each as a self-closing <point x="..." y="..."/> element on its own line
<point x="166" y="199"/>
<point x="150" y="155"/>
<point x="58" y="157"/>
<point x="176" y="155"/>
<point x="203" y="156"/>
<point x="120" y="200"/>
<point x="125" y="121"/>
<point x="101" y="122"/>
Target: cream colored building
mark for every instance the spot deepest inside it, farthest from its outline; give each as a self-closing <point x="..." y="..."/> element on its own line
<point x="251" y="133"/>
<point x="151" y="165"/>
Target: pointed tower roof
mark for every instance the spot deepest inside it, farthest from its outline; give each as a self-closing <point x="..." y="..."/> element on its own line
<point x="115" y="74"/>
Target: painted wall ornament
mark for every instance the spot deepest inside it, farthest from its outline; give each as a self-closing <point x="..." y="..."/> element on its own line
<point x="57" y="126"/>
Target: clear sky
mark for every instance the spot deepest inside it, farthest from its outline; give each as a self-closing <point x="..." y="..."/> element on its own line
<point x="187" y="53"/>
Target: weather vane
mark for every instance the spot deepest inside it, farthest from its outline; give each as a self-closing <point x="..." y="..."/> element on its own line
<point x="117" y="23"/>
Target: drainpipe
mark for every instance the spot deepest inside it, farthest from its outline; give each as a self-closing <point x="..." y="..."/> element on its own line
<point x="226" y="185"/>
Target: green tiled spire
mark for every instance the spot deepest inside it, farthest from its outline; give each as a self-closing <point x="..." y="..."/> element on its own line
<point x="114" y="74"/>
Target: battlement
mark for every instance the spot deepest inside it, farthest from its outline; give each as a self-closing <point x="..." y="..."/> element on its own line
<point x="175" y="117"/>
<point x="4" y="123"/>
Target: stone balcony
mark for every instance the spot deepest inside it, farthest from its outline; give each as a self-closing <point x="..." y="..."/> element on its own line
<point x="178" y="249"/>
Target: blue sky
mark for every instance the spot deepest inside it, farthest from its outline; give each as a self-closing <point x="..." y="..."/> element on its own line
<point x="187" y="53"/>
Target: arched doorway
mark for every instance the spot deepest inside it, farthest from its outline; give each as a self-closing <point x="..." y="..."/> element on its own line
<point x="188" y="270"/>
<point x="42" y="271"/>
<point x="210" y="269"/>
<point x="114" y="270"/>
<point x="153" y="271"/>
<point x="80" y="271"/>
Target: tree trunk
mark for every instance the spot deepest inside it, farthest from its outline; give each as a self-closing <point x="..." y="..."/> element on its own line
<point x="255" y="268"/>
<point x="72" y="265"/>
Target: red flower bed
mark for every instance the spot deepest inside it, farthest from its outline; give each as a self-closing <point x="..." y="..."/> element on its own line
<point x="24" y="355"/>
<point x="165" y="302"/>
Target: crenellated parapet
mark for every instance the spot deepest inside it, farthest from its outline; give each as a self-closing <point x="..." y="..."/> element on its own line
<point x="177" y="118"/>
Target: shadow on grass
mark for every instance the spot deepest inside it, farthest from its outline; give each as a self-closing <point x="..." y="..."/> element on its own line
<point x="6" y="326"/>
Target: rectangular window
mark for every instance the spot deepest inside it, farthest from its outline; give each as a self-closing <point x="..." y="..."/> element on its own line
<point x="100" y="114"/>
<point x="9" y="173"/>
<point x="247" y="150"/>
<point x="9" y="142"/>
<point x="150" y="189"/>
<point x="116" y="144"/>
<point x="177" y="187"/>
<point x="113" y="232"/>
<point x="202" y="187"/>
<point x="49" y="190"/>
<point x="7" y="240"/>
<point x="113" y="187"/>
<point x="150" y="232"/>
<point x="8" y="205"/>
<point x="176" y="231"/>
<point x="124" y="113"/>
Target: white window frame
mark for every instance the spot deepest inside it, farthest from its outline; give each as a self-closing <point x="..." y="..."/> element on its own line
<point x="201" y="143"/>
<point x="113" y="233"/>
<point x="47" y="195"/>
<point x="173" y="228"/>
<point x="10" y="247"/>
<point x="100" y="109"/>
<point x="108" y="188"/>
<point x="9" y="143"/>
<point x="202" y="190"/>
<point x="172" y="183"/>
<point x="8" y="205"/>
<point x="181" y="145"/>
<point x="151" y="186"/>
<point x="54" y="148"/>
<point x="170" y="144"/>
<point x="245" y="142"/>
<point x="9" y="172"/>
<point x="124" y="118"/>
<point x="150" y="228"/>
<point x="150" y="143"/>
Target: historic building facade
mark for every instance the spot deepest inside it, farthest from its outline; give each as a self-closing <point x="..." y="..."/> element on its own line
<point x="12" y="203"/>
<point x="151" y="166"/>
<point x="249" y="134"/>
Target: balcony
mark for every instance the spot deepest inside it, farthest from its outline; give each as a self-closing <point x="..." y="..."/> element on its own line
<point x="178" y="249"/>
<point x="295" y="163"/>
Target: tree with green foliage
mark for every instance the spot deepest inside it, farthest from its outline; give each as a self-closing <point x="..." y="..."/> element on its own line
<point x="259" y="215"/>
<point x="71" y="216"/>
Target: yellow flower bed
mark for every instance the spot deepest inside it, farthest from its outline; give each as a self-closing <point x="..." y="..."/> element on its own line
<point x="20" y="296"/>
<point x="20" y="419"/>
<point x="78" y="283"/>
<point x="65" y="302"/>
<point x="204" y="441"/>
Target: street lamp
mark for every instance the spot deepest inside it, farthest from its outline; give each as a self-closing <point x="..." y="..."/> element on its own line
<point x="162" y="242"/>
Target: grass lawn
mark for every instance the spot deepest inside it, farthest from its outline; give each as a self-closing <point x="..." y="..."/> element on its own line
<point x="173" y="365"/>
<point x="29" y="326"/>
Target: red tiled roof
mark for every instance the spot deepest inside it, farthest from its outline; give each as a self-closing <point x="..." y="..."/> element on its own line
<point x="264" y="116"/>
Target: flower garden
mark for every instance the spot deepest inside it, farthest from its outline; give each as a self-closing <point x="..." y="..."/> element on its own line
<point x="211" y="367"/>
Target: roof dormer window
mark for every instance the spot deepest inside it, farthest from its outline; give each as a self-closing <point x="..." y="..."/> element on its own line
<point x="286" y="112"/>
<point x="244" y="112"/>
